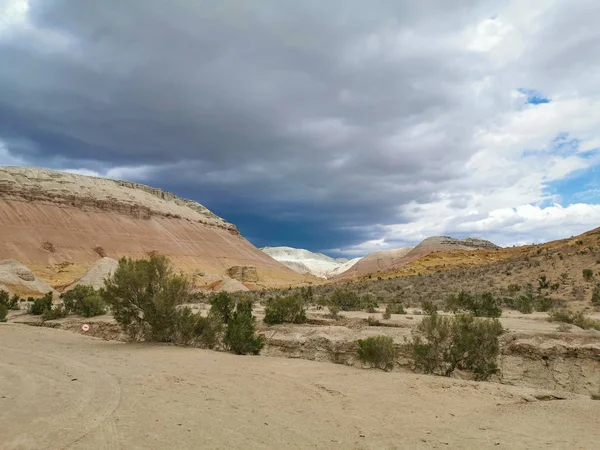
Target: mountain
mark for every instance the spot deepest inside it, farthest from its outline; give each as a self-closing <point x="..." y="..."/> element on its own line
<point x="307" y="262"/>
<point x="60" y="224"/>
<point x="374" y="262"/>
<point x="387" y="260"/>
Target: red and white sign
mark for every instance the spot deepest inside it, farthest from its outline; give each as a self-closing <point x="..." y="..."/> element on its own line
<point x="85" y="328"/>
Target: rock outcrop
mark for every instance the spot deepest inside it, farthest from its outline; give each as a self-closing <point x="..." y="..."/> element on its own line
<point x="97" y="274"/>
<point x="18" y="279"/>
<point x="243" y="274"/>
<point x="58" y="224"/>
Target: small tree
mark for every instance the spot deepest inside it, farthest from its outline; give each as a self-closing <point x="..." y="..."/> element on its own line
<point x="9" y="302"/>
<point x="288" y="309"/>
<point x="240" y="335"/>
<point x="345" y="300"/>
<point x="223" y="304"/>
<point x="41" y="305"/>
<point x="144" y="296"/>
<point x="442" y="344"/>
<point x="377" y="351"/>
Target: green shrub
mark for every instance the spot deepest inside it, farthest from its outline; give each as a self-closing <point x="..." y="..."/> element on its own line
<point x="543" y="303"/>
<point x="73" y="298"/>
<point x="480" y="305"/>
<point x="144" y="295"/>
<point x="596" y="296"/>
<point x="8" y="301"/>
<point x="57" y="312"/>
<point x="334" y="312"/>
<point x="41" y="305"/>
<point x="345" y="300"/>
<point x="223" y="304"/>
<point x="393" y="308"/>
<point x="3" y="312"/>
<point x="373" y="322"/>
<point x="92" y="305"/>
<point x="368" y="303"/>
<point x="578" y="319"/>
<point x="194" y="329"/>
<point x="524" y="304"/>
<point x="443" y="344"/>
<point x="377" y="351"/>
<point x="543" y="283"/>
<point x="288" y="309"/>
<point x="240" y="337"/>
<point x="429" y="307"/>
<point x="588" y="274"/>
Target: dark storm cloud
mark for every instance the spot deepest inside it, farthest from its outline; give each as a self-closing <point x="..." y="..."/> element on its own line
<point x="325" y="115"/>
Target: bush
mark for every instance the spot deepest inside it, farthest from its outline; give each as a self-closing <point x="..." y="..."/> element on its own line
<point x="334" y="312"/>
<point x="345" y="300"/>
<point x="57" y="312"/>
<point x="480" y="305"/>
<point x="368" y="303"/>
<point x="588" y="274"/>
<point x="393" y="308"/>
<point x="578" y="319"/>
<point x="3" y="312"/>
<point x="377" y="351"/>
<point x="429" y="307"/>
<point x="524" y="303"/>
<point x="596" y="296"/>
<point x="195" y="329"/>
<point x="9" y="302"/>
<point x="543" y="303"/>
<point x="443" y="344"/>
<point x="288" y="309"/>
<point x="41" y="305"/>
<point x="223" y="304"/>
<point x="73" y="298"/>
<point x="144" y="296"/>
<point x="92" y="306"/>
<point x="240" y="335"/>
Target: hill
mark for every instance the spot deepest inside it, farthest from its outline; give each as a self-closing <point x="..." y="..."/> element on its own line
<point x="386" y="260"/>
<point x="307" y="262"/>
<point x="59" y="224"/>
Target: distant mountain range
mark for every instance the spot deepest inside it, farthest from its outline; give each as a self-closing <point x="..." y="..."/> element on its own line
<point x="323" y="266"/>
<point x="307" y="262"/>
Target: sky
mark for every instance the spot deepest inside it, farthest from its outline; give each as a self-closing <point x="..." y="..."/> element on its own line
<point x="344" y="126"/>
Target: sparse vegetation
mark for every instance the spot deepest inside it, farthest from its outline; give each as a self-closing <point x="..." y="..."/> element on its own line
<point x="588" y="274"/>
<point x="429" y="307"/>
<point x="578" y="319"/>
<point x="289" y="309"/>
<point x="3" y="312"/>
<point x="443" y="344"/>
<point x="377" y="351"/>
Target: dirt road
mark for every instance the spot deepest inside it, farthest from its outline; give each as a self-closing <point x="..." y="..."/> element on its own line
<point x="60" y="390"/>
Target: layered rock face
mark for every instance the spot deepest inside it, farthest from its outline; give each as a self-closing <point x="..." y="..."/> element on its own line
<point x="59" y="224"/>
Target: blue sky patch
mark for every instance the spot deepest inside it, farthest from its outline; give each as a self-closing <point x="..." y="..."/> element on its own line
<point x="534" y="97"/>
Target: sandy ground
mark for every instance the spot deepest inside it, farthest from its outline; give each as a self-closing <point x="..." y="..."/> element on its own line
<point x="61" y="390"/>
